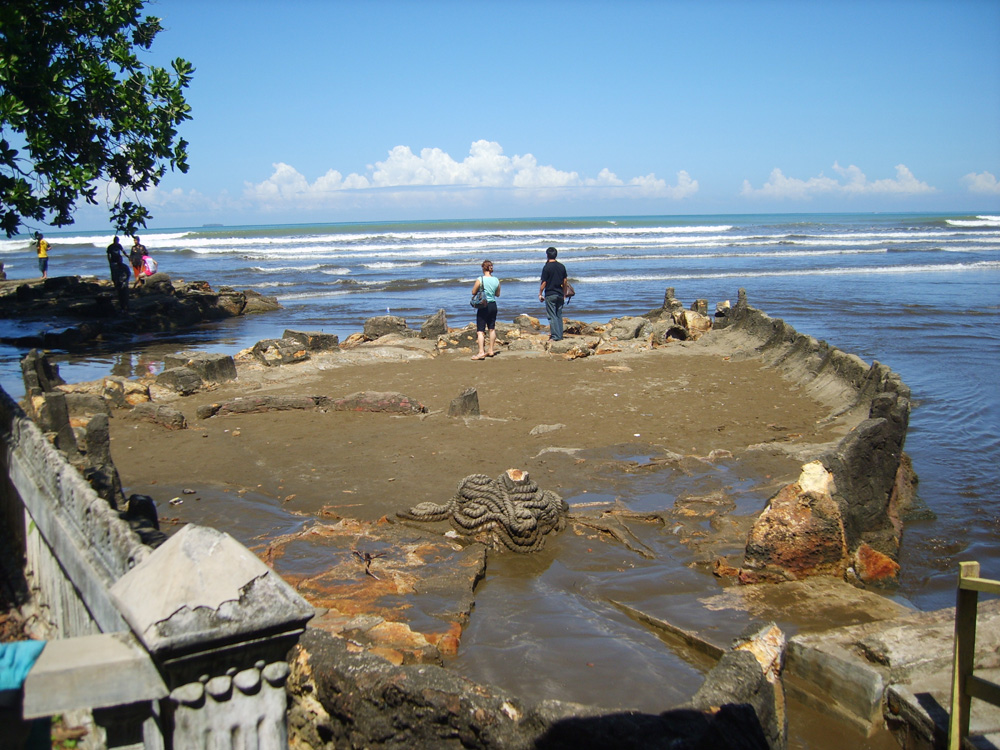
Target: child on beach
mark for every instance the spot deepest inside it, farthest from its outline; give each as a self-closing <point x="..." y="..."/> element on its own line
<point x="135" y="257"/>
<point x="42" y="248"/>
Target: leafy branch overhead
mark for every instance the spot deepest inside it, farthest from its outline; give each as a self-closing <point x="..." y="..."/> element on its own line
<point x="79" y="110"/>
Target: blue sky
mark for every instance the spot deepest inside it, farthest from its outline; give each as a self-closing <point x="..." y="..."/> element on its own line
<point x="319" y="110"/>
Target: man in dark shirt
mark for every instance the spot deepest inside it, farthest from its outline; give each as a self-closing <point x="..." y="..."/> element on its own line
<point x="551" y="292"/>
<point x="119" y="272"/>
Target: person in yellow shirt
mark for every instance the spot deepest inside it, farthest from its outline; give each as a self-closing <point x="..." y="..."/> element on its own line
<point x="42" y="246"/>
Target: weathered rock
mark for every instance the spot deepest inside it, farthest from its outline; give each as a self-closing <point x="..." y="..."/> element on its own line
<point x="750" y="675"/>
<point x="51" y="413"/>
<point x="626" y="328"/>
<point x="140" y="513"/>
<point x="161" y="414"/>
<point x="866" y="464"/>
<point x="314" y="340"/>
<point x="665" y="330"/>
<point x="341" y="698"/>
<point x="257" y="303"/>
<point x="670" y="301"/>
<point x="874" y="568"/>
<point x="465" y="338"/>
<point x="346" y="699"/>
<point x="577" y="328"/>
<point x="121" y="393"/>
<point x="355" y="339"/>
<point x="231" y="302"/>
<point x="700" y="306"/>
<point x="544" y="429"/>
<point x="260" y="404"/>
<point x="211" y="367"/>
<point x="274" y="352"/>
<point x="800" y="533"/>
<point x="436" y="325"/>
<point x="465" y="405"/>
<point x="39" y="373"/>
<point x="85" y="405"/>
<point x="159" y="305"/>
<point x="95" y="464"/>
<point x="182" y="380"/>
<point x="574" y="348"/>
<point x="695" y="323"/>
<point x="408" y="340"/>
<point x="527" y="323"/>
<point x="382" y="325"/>
<point x="158" y="283"/>
<point x="379" y="401"/>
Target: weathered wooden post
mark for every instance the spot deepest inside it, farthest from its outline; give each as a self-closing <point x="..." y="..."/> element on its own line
<point x="966" y="608"/>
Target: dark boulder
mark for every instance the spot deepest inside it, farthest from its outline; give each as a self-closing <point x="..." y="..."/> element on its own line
<point x="436" y="325"/>
<point x="183" y="380"/>
<point x="274" y="352"/>
<point x="383" y="325"/>
<point x="211" y="367"/>
<point x="314" y="340"/>
<point x="161" y="414"/>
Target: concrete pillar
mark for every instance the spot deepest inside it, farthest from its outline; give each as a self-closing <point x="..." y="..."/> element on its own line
<point x="218" y="623"/>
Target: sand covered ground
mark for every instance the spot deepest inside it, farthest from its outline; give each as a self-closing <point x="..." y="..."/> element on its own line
<point x="578" y="426"/>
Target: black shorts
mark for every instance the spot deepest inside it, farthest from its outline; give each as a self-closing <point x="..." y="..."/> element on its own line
<point x="486" y="317"/>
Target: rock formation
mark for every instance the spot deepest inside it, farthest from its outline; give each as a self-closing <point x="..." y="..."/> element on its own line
<point x="855" y="518"/>
<point x="88" y="305"/>
<point x="799" y="533"/>
<point x="77" y="424"/>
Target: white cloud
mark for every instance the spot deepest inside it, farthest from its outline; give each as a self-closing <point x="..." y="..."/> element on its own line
<point x="485" y="167"/>
<point x="854" y="183"/>
<point x="685" y="186"/>
<point x="982" y="183"/>
<point x="158" y="199"/>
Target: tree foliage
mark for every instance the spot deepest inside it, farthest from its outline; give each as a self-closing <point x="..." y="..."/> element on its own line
<point x="79" y="110"/>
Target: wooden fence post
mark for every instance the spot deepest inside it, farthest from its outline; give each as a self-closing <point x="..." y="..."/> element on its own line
<point x="966" y="609"/>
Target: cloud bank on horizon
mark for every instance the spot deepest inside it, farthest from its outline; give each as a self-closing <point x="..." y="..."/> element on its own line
<point x="434" y="178"/>
<point x="433" y="182"/>
<point x="433" y="171"/>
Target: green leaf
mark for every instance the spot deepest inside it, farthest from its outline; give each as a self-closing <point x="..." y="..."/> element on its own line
<point x="86" y="107"/>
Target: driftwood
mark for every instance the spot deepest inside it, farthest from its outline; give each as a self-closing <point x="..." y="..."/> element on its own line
<point x="614" y="528"/>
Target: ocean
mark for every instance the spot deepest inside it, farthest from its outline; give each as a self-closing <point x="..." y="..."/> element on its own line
<point x="917" y="292"/>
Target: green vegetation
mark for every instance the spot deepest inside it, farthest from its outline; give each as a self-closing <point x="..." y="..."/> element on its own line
<point x="80" y="112"/>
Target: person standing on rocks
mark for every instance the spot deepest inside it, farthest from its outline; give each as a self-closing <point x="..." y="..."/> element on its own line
<point x="486" y="317"/>
<point x="119" y="272"/>
<point x="135" y="258"/>
<point x="42" y="248"/>
<point x="551" y="293"/>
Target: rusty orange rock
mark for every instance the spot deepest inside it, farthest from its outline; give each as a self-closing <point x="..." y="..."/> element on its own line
<point x="800" y="533"/>
<point x="874" y="567"/>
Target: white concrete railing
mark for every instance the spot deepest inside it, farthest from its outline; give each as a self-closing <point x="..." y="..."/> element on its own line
<point x="183" y="646"/>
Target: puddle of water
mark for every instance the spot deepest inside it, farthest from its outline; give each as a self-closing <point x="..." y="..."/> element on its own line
<point x="545" y="629"/>
<point x="251" y="518"/>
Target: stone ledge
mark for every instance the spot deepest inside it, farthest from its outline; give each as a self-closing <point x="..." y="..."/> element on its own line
<point x="91" y="671"/>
